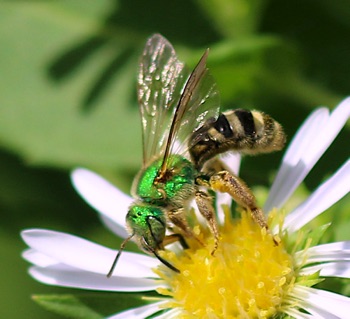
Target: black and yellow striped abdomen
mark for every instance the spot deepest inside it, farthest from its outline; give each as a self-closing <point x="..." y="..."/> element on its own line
<point x="243" y="131"/>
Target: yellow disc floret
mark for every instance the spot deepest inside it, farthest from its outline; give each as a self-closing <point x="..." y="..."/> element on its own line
<point x="249" y="275"/>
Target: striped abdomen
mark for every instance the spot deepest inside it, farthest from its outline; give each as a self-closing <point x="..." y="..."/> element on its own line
<point x="243" y="131"/>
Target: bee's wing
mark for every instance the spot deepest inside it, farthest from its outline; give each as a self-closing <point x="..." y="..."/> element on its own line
<point x="160" y="82"/>
<point x="199" y="101"/>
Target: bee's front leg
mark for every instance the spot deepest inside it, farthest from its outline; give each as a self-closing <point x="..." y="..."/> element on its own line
<point x="226" y="182"/>
<point x="177" y="218"/>
<point x="169" y="239"/>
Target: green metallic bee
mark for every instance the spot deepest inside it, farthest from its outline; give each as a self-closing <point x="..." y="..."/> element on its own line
<point x="182" y="132"/>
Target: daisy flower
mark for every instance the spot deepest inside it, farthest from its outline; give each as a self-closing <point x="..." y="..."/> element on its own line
<point x="250" y="275"/>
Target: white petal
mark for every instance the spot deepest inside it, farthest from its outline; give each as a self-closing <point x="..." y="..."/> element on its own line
<point x="173" y="313"/>
<point x="37" y="258"/>
<point x="295" y="313"/>
<point x="309" y="144"/>
<point x="232" y="161"/>
<point x="305" y="134"/>
<point x="103" y="196"/>
<point x="327" y="252"/>
<point x="88" y="256"/>
<point x="292" y="167"/>
<point x="222" y="199"/>
<point x="338" y="246"/>
<point x="113" y="226"/>
<point x="332" y="256"/>
<point x="339" y="269"/>
<point x="66" y="276"/>
<point x="325" y="196"/>
<point x="334" y="304"/>
<point x="321" y="313"/>
<point x="139" y="312"/>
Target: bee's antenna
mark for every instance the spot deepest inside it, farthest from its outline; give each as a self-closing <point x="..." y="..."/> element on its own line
<point x="122" y="246"/>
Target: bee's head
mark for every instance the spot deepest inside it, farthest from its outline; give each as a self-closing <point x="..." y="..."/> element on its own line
<point x="148" y="224"/>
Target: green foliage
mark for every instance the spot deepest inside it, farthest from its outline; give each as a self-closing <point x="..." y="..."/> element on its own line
<point x="67" y="305"/>
<point x="68" y="98"/>
<point x="88" y="306"/>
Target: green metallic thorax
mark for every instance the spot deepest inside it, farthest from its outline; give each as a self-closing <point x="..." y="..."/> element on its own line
<point x="176" y="186"/>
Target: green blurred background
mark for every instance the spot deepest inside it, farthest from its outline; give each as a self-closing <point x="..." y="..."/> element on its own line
<point x="67" y="99"/>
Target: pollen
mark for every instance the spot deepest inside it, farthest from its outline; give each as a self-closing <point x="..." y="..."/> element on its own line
<point x="249" y="276"/>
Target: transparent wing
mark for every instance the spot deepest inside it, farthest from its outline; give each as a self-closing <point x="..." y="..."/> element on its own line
<point x="160" y="82"/>
<point x="199" y="101"/>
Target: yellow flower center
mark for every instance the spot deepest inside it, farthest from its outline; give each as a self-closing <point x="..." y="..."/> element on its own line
<point x="248" y="277"/>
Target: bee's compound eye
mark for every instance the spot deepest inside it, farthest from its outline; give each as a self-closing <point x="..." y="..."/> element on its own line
<point x="156" y="232"/>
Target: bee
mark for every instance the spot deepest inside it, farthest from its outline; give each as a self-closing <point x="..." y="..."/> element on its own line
<point x="183" y="131"/>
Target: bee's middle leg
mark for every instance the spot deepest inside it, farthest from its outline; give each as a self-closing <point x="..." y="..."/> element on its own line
<point x="226" y="182"/>
<point x="205" y="205"/>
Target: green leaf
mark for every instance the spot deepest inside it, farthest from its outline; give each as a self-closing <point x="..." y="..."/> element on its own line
<point x="237" y="64"/>
<point x="67" y="305"/>
<point x="234" y="18"/>
<point x="310" y="280"/>
<point x="43" y="113"/>
<point x="306" y="237"/>
<point x="89" y="305"/>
